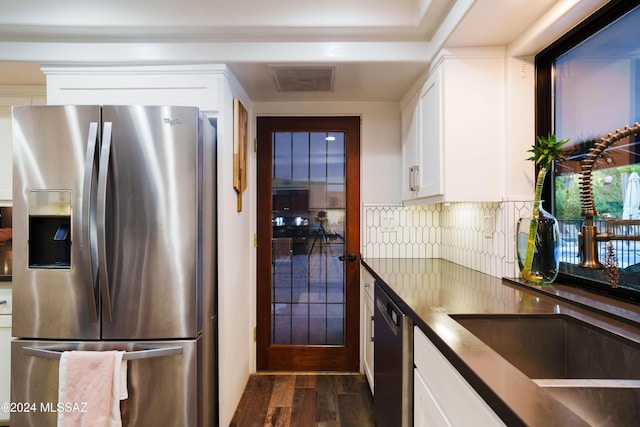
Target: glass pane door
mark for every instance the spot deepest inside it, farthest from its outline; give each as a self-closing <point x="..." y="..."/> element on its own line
<point x="308" y="224"/>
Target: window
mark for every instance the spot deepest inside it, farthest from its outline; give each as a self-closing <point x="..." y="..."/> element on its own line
<point x="588" y="87"/>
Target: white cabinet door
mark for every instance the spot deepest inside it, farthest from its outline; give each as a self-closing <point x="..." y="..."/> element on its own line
<point x="368" y="343"/>
<point x="410" y="150"/>
<point x="431" y="149"/>
<point x="426" y="412"/>
<point x="368" y="284"/>
<point x="446" y="390"/>
<point x="5" y="362"/>
<point x="5" y="349"/>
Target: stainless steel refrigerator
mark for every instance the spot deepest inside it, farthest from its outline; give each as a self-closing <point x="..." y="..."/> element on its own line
<point x="114" y="247"/>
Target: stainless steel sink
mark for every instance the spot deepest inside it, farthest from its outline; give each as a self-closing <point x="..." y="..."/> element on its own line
<point x="556" y="346"/>
<point x="593" y="372"/>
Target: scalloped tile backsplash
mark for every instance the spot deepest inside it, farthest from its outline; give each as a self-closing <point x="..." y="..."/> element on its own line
<point x="475" y="235"/>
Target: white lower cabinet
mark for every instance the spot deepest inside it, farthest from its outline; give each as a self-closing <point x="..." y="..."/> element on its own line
<point x="426" y="411"/>
<point x="368" y="340"/>
<point x="442" y="397"/>
<point x="367" y="326"/>
<point x="5" y="353"/>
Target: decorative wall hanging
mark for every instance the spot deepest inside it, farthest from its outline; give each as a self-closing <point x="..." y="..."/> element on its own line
<point x="240" y="121"/>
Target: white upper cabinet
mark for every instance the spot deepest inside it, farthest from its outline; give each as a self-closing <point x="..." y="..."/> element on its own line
<point x="453" y="130"/>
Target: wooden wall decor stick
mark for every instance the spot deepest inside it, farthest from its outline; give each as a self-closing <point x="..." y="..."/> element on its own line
<point x="240" y="125"/>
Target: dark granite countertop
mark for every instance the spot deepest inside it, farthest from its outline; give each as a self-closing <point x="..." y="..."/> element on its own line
<point x="428" y="290"/>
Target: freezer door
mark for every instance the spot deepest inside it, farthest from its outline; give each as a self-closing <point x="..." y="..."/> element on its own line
<point x="54" y="158"/>
<point x="162" y="387"/>
<point x="147" y="222"/>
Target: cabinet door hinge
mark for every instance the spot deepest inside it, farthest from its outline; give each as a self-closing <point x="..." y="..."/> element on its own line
<point x="255" y="334"/>
<point x="255" y="240"/>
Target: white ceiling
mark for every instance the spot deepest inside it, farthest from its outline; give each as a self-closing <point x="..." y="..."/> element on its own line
<point x="207" y="19"/>
<point x="379" y="47"/>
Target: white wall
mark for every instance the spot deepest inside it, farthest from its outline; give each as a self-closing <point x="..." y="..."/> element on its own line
<point x="236" y="277"/>
<point x="519" y="128"/>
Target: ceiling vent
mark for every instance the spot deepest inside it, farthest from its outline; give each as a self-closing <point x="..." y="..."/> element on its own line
<point x="304" y="79"/>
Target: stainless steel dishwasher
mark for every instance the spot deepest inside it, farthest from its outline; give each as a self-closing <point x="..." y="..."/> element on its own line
<point x="393" y="363"/>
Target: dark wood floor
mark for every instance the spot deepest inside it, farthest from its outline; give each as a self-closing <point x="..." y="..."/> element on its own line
<point x="301" y="400"/>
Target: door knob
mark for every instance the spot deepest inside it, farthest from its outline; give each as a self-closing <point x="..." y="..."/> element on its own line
<point x="350" y="257"/>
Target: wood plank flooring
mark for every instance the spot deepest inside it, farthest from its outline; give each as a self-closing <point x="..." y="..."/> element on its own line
<point x="301" y="400"/>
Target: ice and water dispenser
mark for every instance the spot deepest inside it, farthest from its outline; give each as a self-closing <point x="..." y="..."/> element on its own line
<point x="50" y="229"/>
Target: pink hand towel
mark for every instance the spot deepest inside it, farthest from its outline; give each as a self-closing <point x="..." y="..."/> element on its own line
<point x="90" y="388"/>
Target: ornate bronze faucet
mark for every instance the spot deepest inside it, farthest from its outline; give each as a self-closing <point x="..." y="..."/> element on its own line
<point x="589" y="237"/>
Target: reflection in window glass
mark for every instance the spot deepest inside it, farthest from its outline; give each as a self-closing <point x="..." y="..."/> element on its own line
<point x="282" y="157"/>
<point x="596" y="88"/>
<point x="317" y="156"/>
<point x="335" y="158"/>
<point x="308" y="215"/>
<point x="6" y="237"/>
<point x="300" y="149"/>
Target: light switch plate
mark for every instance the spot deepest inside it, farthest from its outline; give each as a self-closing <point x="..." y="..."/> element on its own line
<point x="488" y="226"/>
<point x="389" y="222"/>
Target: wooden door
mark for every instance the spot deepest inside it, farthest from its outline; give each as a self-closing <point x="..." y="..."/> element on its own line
<point x="308" y="208"/>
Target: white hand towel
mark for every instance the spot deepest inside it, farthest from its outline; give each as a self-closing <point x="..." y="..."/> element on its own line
<point x="89" y="390"/>
<point x="119" y="389"/>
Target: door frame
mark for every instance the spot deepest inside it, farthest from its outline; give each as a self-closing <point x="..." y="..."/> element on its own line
<point x="311" y="357"/>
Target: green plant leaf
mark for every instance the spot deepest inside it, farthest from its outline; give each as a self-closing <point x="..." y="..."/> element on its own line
<point x="546" y="150"/>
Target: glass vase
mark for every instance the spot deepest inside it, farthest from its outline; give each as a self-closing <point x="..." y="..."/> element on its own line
<point x="540" y="252"/>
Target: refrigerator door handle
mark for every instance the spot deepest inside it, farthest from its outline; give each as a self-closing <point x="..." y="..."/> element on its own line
<point x="103" y="173"/>
<point x="145" y="353"/>
<point x="88" y="255"/>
